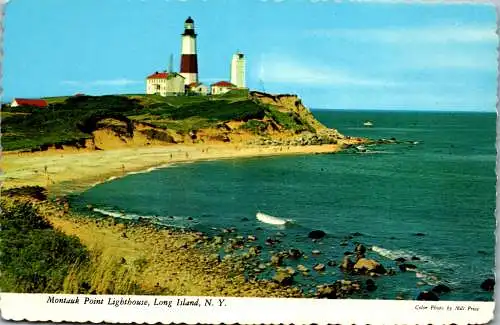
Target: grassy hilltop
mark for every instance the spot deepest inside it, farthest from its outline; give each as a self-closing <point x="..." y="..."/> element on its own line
<point x="237" y="117"/>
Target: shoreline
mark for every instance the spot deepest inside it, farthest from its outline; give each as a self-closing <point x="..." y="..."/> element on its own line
<point x="155" y="260"/>
<point x="63" y="171"/>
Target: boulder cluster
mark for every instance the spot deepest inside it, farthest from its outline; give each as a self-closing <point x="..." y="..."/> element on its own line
<point x="328" y="136"/>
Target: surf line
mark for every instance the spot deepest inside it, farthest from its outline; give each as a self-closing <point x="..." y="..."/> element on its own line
<point x="265" y="218"/>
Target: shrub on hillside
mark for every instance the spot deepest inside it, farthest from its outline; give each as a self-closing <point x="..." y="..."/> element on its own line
<point x="255" y="126"/>
<point x="35" y="258"/>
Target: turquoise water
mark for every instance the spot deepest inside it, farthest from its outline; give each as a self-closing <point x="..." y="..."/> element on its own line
<point x="443" y="187"/>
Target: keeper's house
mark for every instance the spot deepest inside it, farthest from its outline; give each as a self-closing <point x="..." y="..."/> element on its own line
<point x="221" y="87"/>
<point x="165" y="84"/>
<point x="28" y="102"/>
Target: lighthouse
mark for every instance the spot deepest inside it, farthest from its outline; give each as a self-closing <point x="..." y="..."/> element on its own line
<point x="189" y="61"/>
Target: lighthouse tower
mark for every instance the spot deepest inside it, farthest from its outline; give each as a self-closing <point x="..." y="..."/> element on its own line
<point x="189" y="61"/>
<point x="238" y="70"/>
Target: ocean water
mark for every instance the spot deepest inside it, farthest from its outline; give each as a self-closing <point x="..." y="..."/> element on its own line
<point x="440" y="184"/>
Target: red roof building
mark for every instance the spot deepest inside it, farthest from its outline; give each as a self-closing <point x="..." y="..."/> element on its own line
<point x="162" y="75"/>
<point x="224" y="84"/>
<point x="165" y="84"/>
<point x="28" y="102"/>
<point x="221" y="87"/>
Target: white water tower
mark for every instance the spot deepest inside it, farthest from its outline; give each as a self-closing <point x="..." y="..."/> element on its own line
<point x="238" y="66"/>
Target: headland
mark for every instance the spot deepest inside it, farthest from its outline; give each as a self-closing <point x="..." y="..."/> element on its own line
<point x="101" y="138"/>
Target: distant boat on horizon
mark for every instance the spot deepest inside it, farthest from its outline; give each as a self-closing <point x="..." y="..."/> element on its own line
<point x="368" y="123"/>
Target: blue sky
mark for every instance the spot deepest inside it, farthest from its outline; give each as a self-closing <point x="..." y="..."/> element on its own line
<point x="338" y="55"/>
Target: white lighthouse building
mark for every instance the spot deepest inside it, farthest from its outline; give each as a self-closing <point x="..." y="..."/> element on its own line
<point x="189" y="61"/>
<point x="238" y="70"/>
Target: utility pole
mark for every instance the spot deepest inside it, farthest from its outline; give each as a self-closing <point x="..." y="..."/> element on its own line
<point x="171" y="63"/>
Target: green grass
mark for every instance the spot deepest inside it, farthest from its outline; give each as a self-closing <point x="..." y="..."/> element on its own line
<point x="35" y="257"/>
<point x="55" y="100"/>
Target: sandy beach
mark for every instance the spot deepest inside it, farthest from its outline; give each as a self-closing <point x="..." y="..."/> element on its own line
<point x="69" y="170"/>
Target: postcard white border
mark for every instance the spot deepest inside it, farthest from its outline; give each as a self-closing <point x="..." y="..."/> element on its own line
<point x="37" y="307"/>
<point x="34" y="307"/>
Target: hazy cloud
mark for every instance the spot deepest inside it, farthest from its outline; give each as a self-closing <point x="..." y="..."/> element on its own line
<point x="436" y="34"/>
<point x="281" y="69"/>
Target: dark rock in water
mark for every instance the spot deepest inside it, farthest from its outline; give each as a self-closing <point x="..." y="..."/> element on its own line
<point x="283" y="278"/>
<point x="356" y="234"/>
<point x="367" y="266"/>
<point x="270" y="241"/>
<point x="406" y="266"/>
<point x="419" y="234"/>
<point x="339" y="289"/>
<point x="360" y="250"/>
<point x="441" y="288"/>
<point x="258" y="228"/>
<point x="488" y="284"/>
<point x="428" y="296"/>
<point x="316" y="234"/>
<point x="237" y="243"/>
<point x="251" y="238"/>
<point x="189" y="218"/>
<point x="390" y="272"/>
<point x="400" y="260"/>
<point x="326" y="291"/>
<point x="331" y="263"/>
<point x="482" y="252"/>
<point x="347" y="265"/>
<point x="415" y="258"/>
<point x="294" y="253"/>
<point x="245" y="219"/>
<point x="277" y="259"/>
<point x="344" y="243"/>
<point x="370" y="285"/>
<point x="319" y="267"/>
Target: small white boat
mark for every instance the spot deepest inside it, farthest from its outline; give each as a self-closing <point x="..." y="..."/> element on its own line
<point x="368" y="123"/>
<point x="262" y="217"/>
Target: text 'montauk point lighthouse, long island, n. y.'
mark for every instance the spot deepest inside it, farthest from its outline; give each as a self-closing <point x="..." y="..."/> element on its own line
<point x="169" y="83"/>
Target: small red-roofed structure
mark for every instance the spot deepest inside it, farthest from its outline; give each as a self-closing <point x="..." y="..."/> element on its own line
<point x="197" y="88"/>
<point x="222" y="87"/>
<point x="28" y="102"/>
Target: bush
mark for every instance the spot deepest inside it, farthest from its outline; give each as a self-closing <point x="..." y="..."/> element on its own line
<point x="35" y="258"/>
<point x="34" y="192"/>
<point x="255" y="126"/>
